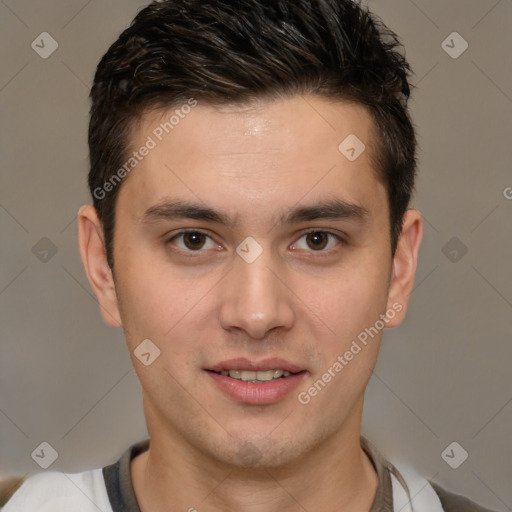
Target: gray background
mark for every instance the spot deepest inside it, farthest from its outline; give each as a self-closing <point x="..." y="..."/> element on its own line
<point x="444" y="376"/>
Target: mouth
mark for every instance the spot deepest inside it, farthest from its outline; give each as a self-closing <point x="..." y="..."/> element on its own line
<point x="256" y="377"/>
<point x="256" y="383"/>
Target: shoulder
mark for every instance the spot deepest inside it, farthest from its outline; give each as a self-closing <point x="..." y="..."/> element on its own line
<point x="60" y="492"/>
<point x="8" y="486"/>
<point x="452" y="502"/>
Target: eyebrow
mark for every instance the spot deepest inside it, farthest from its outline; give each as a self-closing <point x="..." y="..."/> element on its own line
<point x="334" y="209"/>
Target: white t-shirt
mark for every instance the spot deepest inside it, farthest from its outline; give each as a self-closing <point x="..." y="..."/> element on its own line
<point x="110" y="489"/>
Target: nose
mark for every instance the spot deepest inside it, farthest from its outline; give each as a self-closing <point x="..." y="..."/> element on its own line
<point x="255" y="300"/>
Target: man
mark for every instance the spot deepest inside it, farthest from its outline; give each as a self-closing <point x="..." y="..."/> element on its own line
<point x="252" y="165"/>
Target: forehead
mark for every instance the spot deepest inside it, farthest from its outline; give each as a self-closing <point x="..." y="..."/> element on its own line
<point x="265" y="156"/>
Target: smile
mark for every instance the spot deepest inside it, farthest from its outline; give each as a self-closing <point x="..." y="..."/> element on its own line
<point x="256" y="383"/>
<point x="256" y="377"/>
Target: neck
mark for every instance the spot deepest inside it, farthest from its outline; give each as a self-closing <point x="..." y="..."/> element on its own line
<point x="337" y="475"/>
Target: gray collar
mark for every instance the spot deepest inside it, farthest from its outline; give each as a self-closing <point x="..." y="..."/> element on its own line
<point x="122" y="496"/>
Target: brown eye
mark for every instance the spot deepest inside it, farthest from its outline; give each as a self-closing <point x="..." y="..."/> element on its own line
<point x="194" y="240"/>
<point x="317" y="240"/>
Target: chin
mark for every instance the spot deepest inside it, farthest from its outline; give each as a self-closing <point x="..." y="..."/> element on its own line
<point x="252" y="453"/>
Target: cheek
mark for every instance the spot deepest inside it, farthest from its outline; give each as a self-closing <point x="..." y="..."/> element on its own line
<point x="163" y="303"/>
<point x="156" y="308"/>
<point x="350" y="299"/>
<point x="351" y="308"/>
<point x="148" y="303"/>
<point x="346" y="356"/>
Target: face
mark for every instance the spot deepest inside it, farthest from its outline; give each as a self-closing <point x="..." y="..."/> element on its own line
<point x="249" y="243"/>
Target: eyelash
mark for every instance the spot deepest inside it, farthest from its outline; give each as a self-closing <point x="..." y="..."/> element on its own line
<point x="199" y="251"/>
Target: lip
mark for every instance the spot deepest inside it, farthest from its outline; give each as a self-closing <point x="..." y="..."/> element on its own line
<point x="249" y="392"/>
<point x="243" y="363"/>
<point x="256" y="394"/>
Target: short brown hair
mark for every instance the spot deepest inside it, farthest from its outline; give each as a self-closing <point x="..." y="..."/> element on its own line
<point x="230" y="52"/>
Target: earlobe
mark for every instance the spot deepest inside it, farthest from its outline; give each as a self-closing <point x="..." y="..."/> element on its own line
<point x="405" y="263"/>
<point x="94" y="258"/>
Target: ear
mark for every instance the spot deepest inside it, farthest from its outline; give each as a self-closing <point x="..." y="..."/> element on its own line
<point x="404" y="266"/>
<point x="94" y="257"/>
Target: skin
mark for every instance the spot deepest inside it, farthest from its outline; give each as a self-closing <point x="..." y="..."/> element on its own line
<point x="299" y="300"/>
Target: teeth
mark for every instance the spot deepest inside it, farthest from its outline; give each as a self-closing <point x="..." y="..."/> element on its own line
<point x="266" y="376"/>
<point x="251" y="376"/>
<point x="244" y="375"/>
